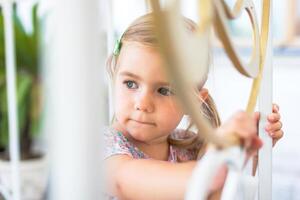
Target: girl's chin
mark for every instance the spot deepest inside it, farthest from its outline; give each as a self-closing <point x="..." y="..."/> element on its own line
<point x="146" y="136"/>
<point x="142" y="135"/>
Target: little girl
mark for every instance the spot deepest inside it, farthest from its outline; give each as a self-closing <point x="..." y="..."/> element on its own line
<point x="146" y="156"/>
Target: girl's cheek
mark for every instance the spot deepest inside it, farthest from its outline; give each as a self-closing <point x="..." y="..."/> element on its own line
<point x="118" y="89"/>
<point x="171" y="112"/>
<point x="117" y="97"/>
<point x="123" y="98"/>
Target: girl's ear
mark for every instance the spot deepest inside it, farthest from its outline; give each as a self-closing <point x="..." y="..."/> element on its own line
<point x="203" y="94"/>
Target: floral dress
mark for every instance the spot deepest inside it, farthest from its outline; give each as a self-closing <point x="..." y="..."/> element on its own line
<point x="117" y="144"/>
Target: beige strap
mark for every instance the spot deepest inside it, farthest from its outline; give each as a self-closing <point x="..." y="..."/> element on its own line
<point x="263" y="40"/>
<point x="222" y="14"/>
<point x="172" y="53"/>
<point x="173" y="65"/>
<point x="205" y="9"/>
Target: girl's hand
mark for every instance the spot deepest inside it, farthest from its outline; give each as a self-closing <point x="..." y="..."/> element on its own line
<point x="273" y="128"/>
<point x="274" y="125"/>
<point x="244" y="127"/>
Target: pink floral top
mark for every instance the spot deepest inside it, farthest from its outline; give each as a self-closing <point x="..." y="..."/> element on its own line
<point x="116" y="143"/>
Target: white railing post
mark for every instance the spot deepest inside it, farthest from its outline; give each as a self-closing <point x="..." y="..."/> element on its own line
<point x="10" y="60"/>
<point x="110" y="45"/>
<point x="75" y="95"/>
<point x="265" y="107"/>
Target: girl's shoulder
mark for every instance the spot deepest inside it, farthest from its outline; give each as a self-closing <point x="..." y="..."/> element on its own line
<point x="115" y="143"/>
<point x="187" y="153"/>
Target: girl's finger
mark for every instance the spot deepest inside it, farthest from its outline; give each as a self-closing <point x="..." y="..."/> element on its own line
<point x="275" y="108"/>
<point x="256" y="116"/>
<point x="276" y="135"/>
<point x="279" y="134"/>
<point x="256" y="143"/>
<point x="270" y="128"/>
<point x="274" y="117"/>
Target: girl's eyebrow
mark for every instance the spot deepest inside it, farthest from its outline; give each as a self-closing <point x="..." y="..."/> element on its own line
<point x="130" y="74"/>
<point x="126" y="73"/>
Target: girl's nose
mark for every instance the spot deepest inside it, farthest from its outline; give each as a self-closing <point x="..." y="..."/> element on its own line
<point x="144" y="102"/>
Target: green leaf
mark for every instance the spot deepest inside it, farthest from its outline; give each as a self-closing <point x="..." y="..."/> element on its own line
<point x="27" y="48"/>
<point x="1" y="41"/>
<point x="35" y="110"/>
<point x="24" y="90"/>
<point x="3" y="117"/>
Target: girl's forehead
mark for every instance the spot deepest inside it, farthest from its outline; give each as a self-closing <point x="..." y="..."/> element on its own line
<point x="137" y="54"/>
<point x="137" y="49"/>
<point x="141" y="60"/>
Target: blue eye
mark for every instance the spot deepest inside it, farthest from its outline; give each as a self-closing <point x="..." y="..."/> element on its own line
<point x="165" y="91"/>
<point x="130" y="84"/>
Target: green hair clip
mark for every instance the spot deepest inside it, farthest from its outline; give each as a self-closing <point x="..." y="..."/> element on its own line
<point x="117" y="47"/>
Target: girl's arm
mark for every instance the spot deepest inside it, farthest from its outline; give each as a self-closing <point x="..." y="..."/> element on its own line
<point x="147" y="179"/>
<point x="130" y="178"/>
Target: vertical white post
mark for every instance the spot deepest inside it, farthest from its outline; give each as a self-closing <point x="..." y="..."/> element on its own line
<point x="109" y="26"/>
<point x="11" y="97"/>
<point x="75" y="99"/>
<point x="265" y="106"/>
<point x="110" y="46"/>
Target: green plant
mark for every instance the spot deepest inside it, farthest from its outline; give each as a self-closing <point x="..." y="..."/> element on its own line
<point x="27" y="48"/>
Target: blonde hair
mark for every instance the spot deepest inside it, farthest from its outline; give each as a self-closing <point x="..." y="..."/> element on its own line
<point x="142" y="31"/>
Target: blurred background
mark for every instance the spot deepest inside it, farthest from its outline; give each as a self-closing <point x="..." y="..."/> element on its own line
<point x="229" y="89"/>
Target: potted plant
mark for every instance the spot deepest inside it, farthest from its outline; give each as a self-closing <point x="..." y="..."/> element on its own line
<point x="28" y="105"/>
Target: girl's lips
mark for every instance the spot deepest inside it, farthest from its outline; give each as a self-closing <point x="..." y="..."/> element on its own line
<point x="143" y="122"/>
